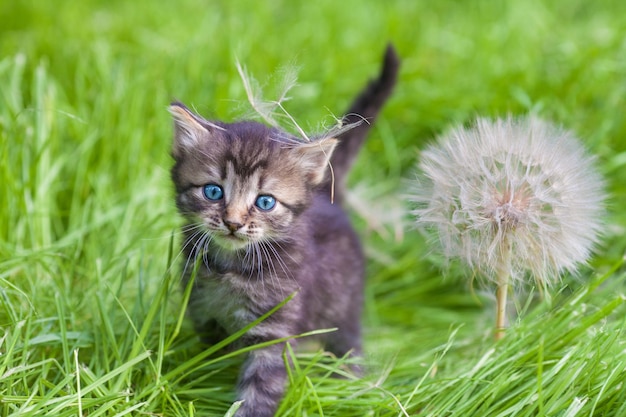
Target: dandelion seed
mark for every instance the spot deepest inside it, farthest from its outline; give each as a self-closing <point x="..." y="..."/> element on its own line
<point x="512" y="198"/>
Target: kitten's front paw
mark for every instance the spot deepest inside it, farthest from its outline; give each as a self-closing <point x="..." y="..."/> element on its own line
<point x="254" y="410"/>
<point x="262" y="383"/>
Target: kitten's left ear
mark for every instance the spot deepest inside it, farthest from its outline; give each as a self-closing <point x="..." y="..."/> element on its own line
<point x="315" y="156"/>
<point x="189" y="128"/>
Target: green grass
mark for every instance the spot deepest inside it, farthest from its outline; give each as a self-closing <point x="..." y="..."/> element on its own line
<point x="90" y="306"/>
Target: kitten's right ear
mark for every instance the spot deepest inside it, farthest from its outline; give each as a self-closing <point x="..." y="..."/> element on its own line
<point x="189" y="128"/>
<point x="314" y="158"/>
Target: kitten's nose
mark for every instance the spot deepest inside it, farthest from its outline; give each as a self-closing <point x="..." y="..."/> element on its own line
<point x="233" y="226"/>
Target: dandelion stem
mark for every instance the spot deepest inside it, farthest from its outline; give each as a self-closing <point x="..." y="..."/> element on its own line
<point x="501" y="294"/>
<point x="504" y="272"/>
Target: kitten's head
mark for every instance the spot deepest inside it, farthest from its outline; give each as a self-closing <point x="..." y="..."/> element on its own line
<point x="243" y="182"/>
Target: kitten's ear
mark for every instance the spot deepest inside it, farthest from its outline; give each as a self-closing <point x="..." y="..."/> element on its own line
<point x="189" y="128"/>
<point x="315" y="156"/>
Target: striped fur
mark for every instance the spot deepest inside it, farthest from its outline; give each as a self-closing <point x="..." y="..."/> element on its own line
<point x="252" y="259"/>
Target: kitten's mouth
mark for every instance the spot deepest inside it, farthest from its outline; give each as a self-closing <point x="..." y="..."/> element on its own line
<point x="231" y="241"/>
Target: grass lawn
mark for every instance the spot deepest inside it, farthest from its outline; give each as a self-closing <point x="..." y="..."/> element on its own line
<point x="91" y="322"/>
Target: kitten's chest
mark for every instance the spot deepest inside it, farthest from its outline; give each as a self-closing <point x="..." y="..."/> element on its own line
<point x="221" y="298"/>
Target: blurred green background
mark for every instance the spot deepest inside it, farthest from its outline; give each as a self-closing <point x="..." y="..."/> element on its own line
<point x="90" y="309"/>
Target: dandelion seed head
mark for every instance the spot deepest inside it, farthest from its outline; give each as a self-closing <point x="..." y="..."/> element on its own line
<point x="519" y="194"/>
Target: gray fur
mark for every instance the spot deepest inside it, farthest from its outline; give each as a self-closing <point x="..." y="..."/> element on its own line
<point x="253" y="259"/>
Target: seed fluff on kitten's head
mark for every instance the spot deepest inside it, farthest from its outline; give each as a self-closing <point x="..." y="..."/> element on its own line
<point x="261" y="226"/>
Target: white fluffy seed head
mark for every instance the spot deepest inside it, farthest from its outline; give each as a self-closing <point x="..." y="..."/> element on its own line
<point x="515" y="194"/>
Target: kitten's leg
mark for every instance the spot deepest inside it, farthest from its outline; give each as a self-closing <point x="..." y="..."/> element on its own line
<point x="343" y="343"/>
<point x="262" y="382"/>
<point x="263" y="376"/>
<point x="341" y="347"/>
<point x="347" y="340"/>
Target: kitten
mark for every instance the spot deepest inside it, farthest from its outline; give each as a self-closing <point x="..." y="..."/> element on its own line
<point x="259" y="216"/>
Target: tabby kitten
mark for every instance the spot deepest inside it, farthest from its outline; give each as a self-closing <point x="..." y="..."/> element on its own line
<point x="260" y="218"/>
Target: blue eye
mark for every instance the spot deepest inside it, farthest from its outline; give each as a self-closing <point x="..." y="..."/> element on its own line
<point x="265" y="202"/>
<point x="213" y="192"/>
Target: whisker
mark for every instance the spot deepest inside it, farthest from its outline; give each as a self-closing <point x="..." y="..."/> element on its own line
<point x="255" y="264"/>
<point x="284" y="265"/>
<point x="248" y="260"/>
<point x="190" y="240"/>
<point x="259" y="265"/>
<point x="206" y="241"/>
<point x="287" y="252"/>
<point x="194" y="249"/>
<point x="273" y="273"/>
<point x="268" y="259"/>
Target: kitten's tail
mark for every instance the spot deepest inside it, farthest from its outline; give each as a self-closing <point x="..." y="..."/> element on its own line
<point x="363" y="111"/>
